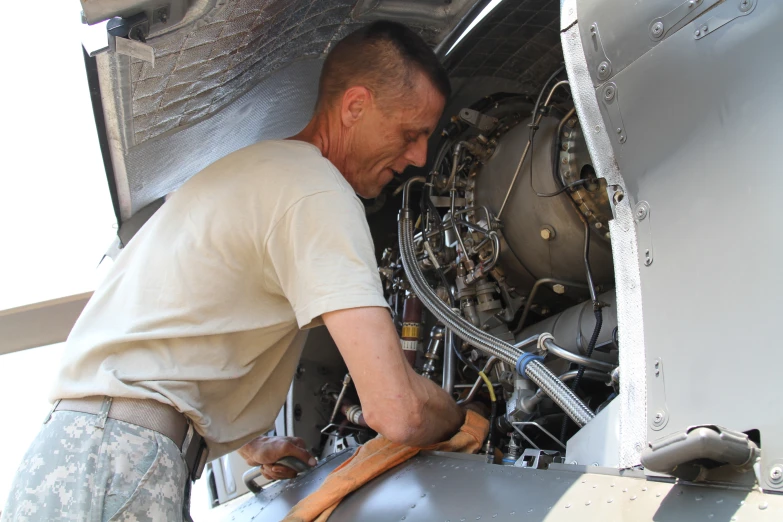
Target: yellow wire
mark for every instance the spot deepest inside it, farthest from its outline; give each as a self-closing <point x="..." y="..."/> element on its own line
<point x="489" y="386"/>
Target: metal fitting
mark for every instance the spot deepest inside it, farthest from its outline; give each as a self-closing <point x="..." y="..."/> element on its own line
<point x="745" y="5"/>
<point x="609" y="92"/>
<point x="547" y="233"/>
<point x="558" y="289"/>
<point x="541" y="338"/>
<point x="656" y="31"/>
<point x="776" y="475"/>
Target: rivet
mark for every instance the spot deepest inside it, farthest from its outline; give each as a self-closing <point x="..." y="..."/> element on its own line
<point x="423" y="495"/>
<point x="644" y="488"/>
<point x="633" y="497"/>
<point x="742" y="503"/>
<point x="413" y="506"/>
<point x="495" y="515"/>
<point x="567" y="506"/>
<point x="625" y="490"/>
<point x="513" y="513"/>
<point x="657" y="495"/>
<point x="609" y="500"/>
<point x="699" y="498"/>
<point x="622" y="139"/>
<point x="763" y="506"/>
<point x="711" y="515"/>
<point x="588" y="502"/>
<point x="595" y="486"/>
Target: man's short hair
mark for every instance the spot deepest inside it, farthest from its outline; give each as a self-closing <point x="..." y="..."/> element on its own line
<point x="383" y="57"/>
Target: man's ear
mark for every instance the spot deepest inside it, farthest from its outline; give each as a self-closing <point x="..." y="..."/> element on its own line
<point x="356" y="101"/>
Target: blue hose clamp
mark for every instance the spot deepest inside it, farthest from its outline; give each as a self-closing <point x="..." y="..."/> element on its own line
<point x="525" y="359"/>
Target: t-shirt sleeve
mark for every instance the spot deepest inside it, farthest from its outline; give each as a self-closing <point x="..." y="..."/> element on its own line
<point x="322" y="257"/>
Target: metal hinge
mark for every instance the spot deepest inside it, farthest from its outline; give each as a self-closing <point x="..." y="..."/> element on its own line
<point x="722" y="15"/>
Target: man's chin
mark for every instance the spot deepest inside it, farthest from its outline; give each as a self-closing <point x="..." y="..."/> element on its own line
<point x="369" y="193"/>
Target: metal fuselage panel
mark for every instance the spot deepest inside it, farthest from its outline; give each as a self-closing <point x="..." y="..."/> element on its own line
<point x="700" y="171"/>
<point x="453" y="487"/>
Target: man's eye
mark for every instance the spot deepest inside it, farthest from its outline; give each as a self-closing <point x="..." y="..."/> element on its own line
<point x="410" y="138"/>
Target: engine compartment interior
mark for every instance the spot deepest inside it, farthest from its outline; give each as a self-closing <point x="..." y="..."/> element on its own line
<point x="499" y="279"/>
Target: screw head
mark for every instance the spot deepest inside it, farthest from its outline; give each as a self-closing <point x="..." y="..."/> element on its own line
<point x="658" y="417"/>
<point x="604" y="70"/>
<point x="745" y="5"/>
<point x="657" y="29"/>
<point x="698" y="32"/>
<point x="622" y="139"/>
<point x="547" y="233"/>
<point x="776" y="475"/>
<point x="558" y="289"/>
<point x="609" y="93"/>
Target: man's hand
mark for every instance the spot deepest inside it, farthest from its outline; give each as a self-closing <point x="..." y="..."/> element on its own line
<point x="265" y="451"/>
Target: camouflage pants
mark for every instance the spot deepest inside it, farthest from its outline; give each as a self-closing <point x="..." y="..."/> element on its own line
<point x="76" y="470"/>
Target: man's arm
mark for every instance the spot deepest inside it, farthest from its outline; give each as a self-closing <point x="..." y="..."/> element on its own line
<point x="401" y="405"/>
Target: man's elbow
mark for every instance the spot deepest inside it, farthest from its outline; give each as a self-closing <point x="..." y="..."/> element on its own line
<point x="401" y="427"/>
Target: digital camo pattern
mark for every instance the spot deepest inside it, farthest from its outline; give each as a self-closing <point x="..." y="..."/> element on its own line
<point x="77" y="471"/>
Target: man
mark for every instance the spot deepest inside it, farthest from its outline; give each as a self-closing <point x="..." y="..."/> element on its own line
<point x="192" y="340"/>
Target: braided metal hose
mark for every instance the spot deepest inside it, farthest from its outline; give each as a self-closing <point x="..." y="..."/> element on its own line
<point x="559" y="392"/>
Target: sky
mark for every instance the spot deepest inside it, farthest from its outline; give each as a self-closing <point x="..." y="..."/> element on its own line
<point x="56" y="217"/>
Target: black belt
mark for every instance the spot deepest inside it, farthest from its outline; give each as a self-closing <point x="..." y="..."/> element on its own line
<point x="152" y="415"/>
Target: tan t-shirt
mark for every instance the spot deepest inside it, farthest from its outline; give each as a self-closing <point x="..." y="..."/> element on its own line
<point x="203" y="309"/>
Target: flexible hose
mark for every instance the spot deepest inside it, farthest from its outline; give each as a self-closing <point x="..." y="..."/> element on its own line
<point x="534" y="370"/>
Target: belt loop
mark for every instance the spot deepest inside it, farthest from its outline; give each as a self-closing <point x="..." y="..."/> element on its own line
<point x="54" y="407"/>
<point x="100" y="421"/>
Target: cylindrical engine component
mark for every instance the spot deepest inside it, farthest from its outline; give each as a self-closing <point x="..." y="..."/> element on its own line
<point x="544" y="236"/>
<point x="449" y="363"/>
<point x="573" y="327"/>
<point x="411" y="328"/>
<point x="354" y="414"/>
<point x="433" y="350"/>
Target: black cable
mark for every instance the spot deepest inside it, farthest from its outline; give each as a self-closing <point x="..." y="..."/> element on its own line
<point x="599" y="319"/>
<point x="464" y="361"/>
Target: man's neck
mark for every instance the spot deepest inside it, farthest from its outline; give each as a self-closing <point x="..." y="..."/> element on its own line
<point x="324" y="132"/>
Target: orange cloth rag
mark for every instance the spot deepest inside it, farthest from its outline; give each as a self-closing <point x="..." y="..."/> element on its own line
<point x="372" y="459"/>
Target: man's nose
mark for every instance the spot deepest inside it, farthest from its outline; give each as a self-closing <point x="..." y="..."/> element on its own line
<point x="416" y="153"/>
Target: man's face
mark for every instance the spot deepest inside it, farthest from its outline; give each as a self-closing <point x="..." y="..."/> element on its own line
<point x="387" y="141"/>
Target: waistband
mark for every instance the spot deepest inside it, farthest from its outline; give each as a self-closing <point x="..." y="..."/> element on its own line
<point x="149" y="414"/>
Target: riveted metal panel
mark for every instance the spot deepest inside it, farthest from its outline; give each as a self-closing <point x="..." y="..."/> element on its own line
<point x="702" y="117"/>
<point x="453" y="488"/>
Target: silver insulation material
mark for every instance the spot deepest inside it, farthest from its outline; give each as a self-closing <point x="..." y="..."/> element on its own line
<point x="633" y="383"/>
<point x="277" y="107"/>
<point x="201" y="71"/>
<point x="518" y="40"/>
